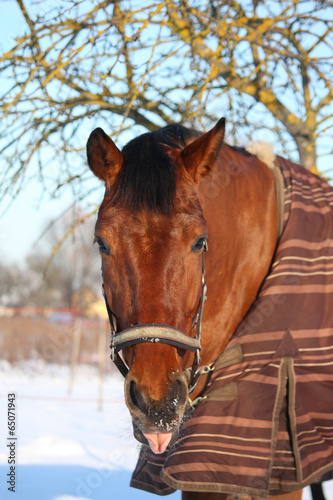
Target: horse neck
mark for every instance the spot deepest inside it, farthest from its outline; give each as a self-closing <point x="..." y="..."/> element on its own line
<point x="239" y="205"/>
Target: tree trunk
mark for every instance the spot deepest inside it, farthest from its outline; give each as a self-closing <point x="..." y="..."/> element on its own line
<point x="307" y="152"/>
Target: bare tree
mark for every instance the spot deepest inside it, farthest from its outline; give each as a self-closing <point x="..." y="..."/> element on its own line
<point x="14" y="285"/>
<point x="71" y="276"/>
<point x="265" y="65"/>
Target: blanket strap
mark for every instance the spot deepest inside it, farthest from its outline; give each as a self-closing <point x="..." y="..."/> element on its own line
<point x="279" y="191"/>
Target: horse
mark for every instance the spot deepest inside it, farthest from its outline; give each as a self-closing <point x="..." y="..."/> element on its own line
<point x="187" y="232"/>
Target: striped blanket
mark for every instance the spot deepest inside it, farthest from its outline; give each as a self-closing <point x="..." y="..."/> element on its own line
<point x="266" y="423"/>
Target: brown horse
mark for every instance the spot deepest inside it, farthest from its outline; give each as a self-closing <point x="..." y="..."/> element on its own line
<point x="168" y="194"/>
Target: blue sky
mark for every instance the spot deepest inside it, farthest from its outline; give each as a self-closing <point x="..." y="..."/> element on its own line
<point x="24" y="220"/>
<point x="21" y="224"/>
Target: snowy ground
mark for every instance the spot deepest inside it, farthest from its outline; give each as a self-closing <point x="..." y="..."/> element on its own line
<point x="67" y="448"/>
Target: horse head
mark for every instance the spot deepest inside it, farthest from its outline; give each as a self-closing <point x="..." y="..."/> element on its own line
<point x="151" y="234"/>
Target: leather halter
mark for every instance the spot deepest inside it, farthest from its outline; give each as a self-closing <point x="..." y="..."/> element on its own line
<point x="163" y="334"/>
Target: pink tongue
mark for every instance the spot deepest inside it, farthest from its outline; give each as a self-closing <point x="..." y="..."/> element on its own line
<point x="158" y="442"/>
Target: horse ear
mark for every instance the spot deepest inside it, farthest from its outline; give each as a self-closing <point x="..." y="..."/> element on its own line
<point x="199" y="156"/>
<point x="104" y="158"/>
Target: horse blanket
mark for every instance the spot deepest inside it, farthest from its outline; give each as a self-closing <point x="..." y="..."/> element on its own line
<point x="265" y="425"/>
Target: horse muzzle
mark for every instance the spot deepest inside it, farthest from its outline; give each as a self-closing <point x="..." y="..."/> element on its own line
<point x="156" y="422"/>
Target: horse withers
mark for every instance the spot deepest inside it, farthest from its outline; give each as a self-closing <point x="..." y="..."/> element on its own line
<point x="169" y="195"/>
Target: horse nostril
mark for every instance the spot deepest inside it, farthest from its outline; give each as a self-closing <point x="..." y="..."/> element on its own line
<point x="165" y="407"/>
<point x="136" y="396"/>
<point x="179" y="393"/>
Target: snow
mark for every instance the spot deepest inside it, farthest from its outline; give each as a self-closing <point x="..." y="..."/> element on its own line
<point x="67" y="446"/>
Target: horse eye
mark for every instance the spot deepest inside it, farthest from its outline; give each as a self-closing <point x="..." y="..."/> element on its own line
<point x="103" y="248"/>
<point x="200" y="244"/>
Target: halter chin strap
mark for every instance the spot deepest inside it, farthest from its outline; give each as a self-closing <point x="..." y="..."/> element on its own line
<point x="162" y="334"/>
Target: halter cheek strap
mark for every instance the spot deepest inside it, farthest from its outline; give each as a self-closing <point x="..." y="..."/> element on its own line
<point x="156" y="333"/>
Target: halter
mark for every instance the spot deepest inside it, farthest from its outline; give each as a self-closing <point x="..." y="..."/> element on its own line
<point x="163" y="334"/>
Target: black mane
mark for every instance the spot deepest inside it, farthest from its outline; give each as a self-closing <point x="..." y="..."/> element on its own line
<point x="147" y="179"/>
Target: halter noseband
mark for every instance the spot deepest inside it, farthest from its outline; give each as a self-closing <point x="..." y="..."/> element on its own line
<point x="162" y="334"/>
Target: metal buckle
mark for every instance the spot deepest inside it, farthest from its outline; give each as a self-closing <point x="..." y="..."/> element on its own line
<point x="193" y="404"/>
<point x="202" y="370"/>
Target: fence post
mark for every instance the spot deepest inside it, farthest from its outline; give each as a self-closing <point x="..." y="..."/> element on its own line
<point x="77" y="335"/>
<point x="101" y="361"/>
